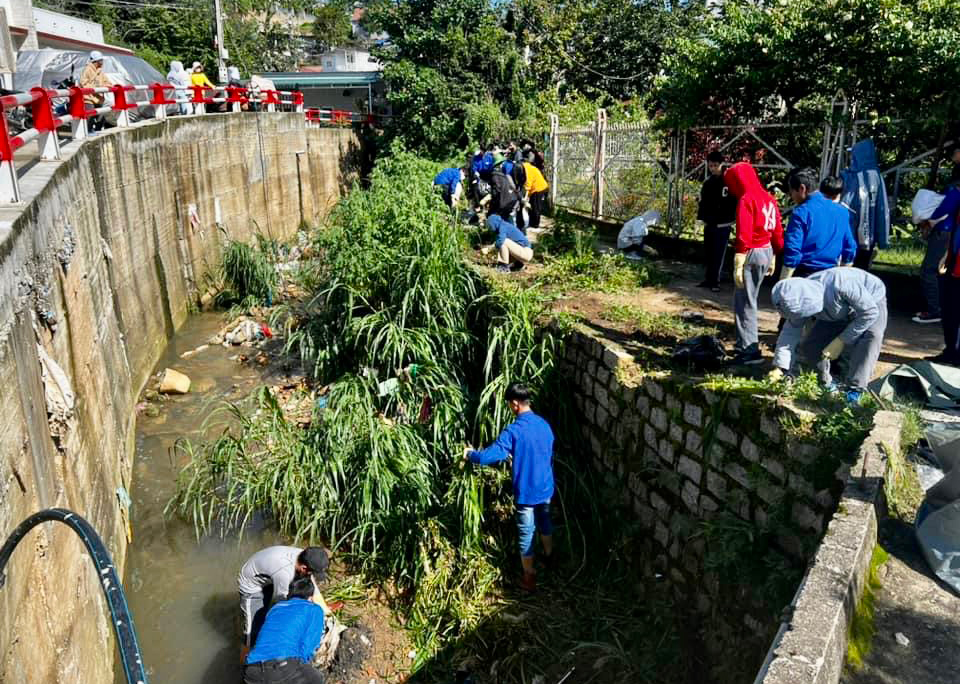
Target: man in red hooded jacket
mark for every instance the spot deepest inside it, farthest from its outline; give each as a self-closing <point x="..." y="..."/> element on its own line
<point x="759" y="235"/>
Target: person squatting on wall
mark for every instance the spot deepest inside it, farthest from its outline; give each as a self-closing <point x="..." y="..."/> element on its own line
<point x="513" y="248"/>
<point x="818" y="234"/>
<point x="759" y="235"/>
<point x="717" y="210"/>
<point x="529" y="440"/>
<point x="839" y="311"/>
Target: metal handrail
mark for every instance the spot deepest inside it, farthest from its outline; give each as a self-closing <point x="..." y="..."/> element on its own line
<point x="46" y="122"/>
<point x="127" y="643"/>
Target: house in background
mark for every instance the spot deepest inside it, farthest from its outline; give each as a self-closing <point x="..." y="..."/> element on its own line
<point x="348" y="59"/>
<point x="362" y="92"/>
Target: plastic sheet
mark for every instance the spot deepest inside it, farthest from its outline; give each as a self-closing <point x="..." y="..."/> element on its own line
<point x="938" y="520"/>
<point x="44" y="68"/>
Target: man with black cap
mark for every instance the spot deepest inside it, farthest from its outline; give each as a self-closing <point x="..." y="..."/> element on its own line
<point x="266" y="576"/>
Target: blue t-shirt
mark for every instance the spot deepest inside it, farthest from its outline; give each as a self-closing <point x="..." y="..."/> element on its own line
<point x="293" y="629"/>
<point x="449" y="178"/>
<point x="506" y="230"/>
<point x="529" y="440"/>
<point x="819" y="235"/>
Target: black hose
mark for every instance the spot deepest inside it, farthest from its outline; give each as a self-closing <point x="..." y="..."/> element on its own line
<point x="106" y="573"/>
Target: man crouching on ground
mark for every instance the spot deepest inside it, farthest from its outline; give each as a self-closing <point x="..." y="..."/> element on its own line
<point x="529" y="440"/>
<point x="849" y="311"/>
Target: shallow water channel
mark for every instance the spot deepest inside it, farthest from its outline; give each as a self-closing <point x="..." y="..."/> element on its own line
<point x="181" y="590"/>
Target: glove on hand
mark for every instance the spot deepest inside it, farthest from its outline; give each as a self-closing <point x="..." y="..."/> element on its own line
<point x="834" y="349"/>
<point x="775" y="375"/>
<point x="786" y="272"/>
<point x="771" y="267"/>
<point x="739" y="263"/>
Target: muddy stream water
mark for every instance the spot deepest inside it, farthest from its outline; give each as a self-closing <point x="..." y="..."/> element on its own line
<point x="181" y="590"/>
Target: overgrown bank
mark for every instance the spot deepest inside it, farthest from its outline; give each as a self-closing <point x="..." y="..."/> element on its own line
<point x="411" y="350"/>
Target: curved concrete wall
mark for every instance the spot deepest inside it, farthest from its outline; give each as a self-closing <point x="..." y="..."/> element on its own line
<point x="97" y="269"/>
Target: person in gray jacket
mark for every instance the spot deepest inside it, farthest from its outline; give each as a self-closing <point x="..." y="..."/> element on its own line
<point x="846" y="309"/>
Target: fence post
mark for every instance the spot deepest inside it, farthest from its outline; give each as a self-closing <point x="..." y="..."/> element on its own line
<point x="599" y="161"/>
<point x="9" y="189"/>
<point x="554" y="157"/>
<point x="43" y="121"/>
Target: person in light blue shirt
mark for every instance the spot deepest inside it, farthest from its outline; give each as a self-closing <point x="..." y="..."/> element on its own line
<point x="818" y="235"/>
<point x="291" y="633"/>
<point x="529" y="440"/>
<point x="513" y="247"/>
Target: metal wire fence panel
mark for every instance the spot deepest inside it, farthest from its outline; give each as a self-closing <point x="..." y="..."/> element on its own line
<point x="575" y="161"/>
<point x="635" y="171"/>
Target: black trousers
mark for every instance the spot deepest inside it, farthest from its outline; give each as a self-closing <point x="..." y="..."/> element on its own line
<point x="285" y="671"/>
<point x="950" y="317"/>
<point x="864" y="258"/>
<point x="714" y="249"/>
<point x="536" y="208"/>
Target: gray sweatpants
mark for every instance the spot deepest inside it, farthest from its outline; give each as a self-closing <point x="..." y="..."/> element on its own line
<point x="745" y="299"/>
<point x="860" y="357"/>
<point x="936" y="248"/>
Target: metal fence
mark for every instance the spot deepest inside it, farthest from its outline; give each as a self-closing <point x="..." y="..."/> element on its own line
<point x="617" y="171"/>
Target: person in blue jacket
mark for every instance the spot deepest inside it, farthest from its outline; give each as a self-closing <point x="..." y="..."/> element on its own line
<point x="946" y="218"/>
<point x="450" y="182"/>
<point x="529" y="440"/>
<point x="848" y="307"/>
<point x="291" y="633"/>
<point x="818" y="235"/>
<point x="866" y="195"/>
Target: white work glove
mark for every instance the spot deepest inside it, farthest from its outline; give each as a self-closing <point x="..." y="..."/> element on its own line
<point x="776" y="375"/>
<point x="834" y="349"/>
<point x="771" y="267"/>
<point x="739" y="263"/>
<point x="786" y="272"/>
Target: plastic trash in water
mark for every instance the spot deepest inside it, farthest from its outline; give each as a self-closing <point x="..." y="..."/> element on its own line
<point x="390" y="385"/>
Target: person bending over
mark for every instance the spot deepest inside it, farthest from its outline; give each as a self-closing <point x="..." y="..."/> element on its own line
<point x="292" y="631"/>
<point x="848" y="311"/>
<point x="513" y="247"/>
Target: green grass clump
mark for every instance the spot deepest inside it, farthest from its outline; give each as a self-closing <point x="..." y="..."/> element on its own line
<point x="862" y="627"/>
<point x="247" y="274"/>
<point x="902" y="484"/>
<point x="657" y="325"/>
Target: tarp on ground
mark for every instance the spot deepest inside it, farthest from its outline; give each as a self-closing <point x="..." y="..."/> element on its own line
<point x="933" y="384"/>
<point x="938" y="520"/>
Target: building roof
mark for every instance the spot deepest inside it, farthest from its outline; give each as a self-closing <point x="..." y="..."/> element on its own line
<point x="329" y="79"/>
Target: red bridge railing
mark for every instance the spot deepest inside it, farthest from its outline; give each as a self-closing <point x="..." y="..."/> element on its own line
<point x="44" y="104"/>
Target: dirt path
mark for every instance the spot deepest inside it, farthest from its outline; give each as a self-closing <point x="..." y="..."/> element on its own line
<point x="913" y="603"/>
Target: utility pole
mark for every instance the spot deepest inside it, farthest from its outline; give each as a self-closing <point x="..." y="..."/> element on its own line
<point x="222" y="53"/>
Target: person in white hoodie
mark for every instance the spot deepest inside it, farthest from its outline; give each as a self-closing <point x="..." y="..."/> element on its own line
<point x="180" y="79"/>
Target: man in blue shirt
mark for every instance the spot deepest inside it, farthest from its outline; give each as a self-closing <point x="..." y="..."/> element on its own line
<point x="818" y="235"/>
<point x="512" y="245"/>
<point x="450" y="182"/>
<point x="291" y="633"/>
<point x="529" y="440"/>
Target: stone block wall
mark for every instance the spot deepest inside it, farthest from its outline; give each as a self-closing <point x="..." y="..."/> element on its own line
<point x="98" y="266"/>
<point x="694" y="467"/>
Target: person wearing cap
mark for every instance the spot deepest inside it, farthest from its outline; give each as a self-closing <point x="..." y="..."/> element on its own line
<point x="198" y="78"/>
<point x="92" y="76"/>
<point x="266" y="576"/>
<point x="848" y="309"/>
<point x="291" y="632"/>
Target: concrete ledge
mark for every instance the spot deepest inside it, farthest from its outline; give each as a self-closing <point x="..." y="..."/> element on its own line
<point x="811" y="646"/>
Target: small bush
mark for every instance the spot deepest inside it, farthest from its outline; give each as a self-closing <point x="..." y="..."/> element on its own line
<point x="247" y="273"/>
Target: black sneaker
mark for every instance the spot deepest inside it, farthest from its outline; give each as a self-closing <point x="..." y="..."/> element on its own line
<point x="503" y="268"/>
<point x="747" y="358"/>
<point x="926" y="317"/>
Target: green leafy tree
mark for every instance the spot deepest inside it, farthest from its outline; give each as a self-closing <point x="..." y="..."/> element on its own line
<point x="332" y="27"/>
<point x="893" y="57"/>
<point x="444" y="58"/>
